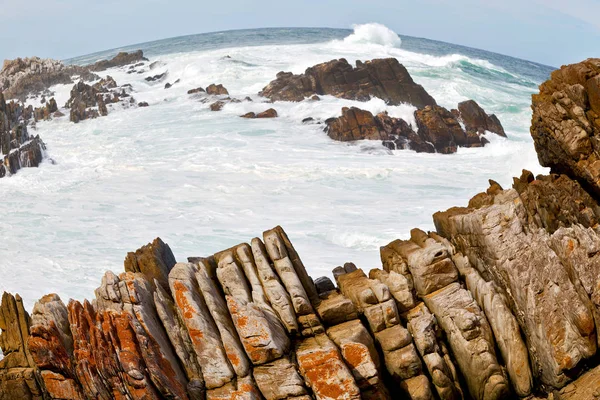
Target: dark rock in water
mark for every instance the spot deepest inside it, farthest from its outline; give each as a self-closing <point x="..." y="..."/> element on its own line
<point x="197" y="90"/>
<point x="217" y="105"/>
<point x="357" y="124"/>
<point x="270" y="113"/>
<point x="308" y="120"/>
<point x="156" y="77"/>
<point x="216" y="90"/>
<point x="85" y="98"/>
<point x="170" y="85"/>
<point x="477" y="120"/>
<point x="119" y="60"/>
<point x="143" y="104"/>
<point x="58" y="114"/>
<point x="315" y="98"/>
<point x="248" y="98"/>
<point x="440" y="127"/>
<point x="383" y="78"/>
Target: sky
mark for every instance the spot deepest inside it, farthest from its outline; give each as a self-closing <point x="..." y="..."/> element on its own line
<point x="552" y="32"/>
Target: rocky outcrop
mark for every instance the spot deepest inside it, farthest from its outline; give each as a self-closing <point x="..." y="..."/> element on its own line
<point x="119" y="60"/>
<point x="566" y="123"/>
<point x="477" y="120"/>
<point x="270" y="113"/>
<point x="23" y="77"/>
<point x="386" y="79"/>
<point x="87" y="102"/>
<point x="438" y="130"/>
<point x="19" y="150"/>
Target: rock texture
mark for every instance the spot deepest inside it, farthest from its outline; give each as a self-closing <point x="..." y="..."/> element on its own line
<point x="502" y="302"/>
<point x="566" y="123"/>
<point x="19" y="150"/>
<point x="386" y="79"/>
<point x="438" y="130"/>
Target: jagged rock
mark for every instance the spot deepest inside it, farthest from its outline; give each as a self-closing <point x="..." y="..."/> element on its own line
<point x="180" y="339"/>
<point x="423" y="328"/>
<point x="155" y="260"/>
<point x="51" y="346"/>
<point x="477" y="120"/>
<point x="518" y="258"/>
<point x="120" y="60"/>
<point x="566" y="123"/>
<point x="504" y="326"/>
<point x="195" y="91"/>
<point x="203" y="332"/>
<point x="262" y="335"/>
<point x="24" y="76"/>
<point x="556" y="201"/>
<point x="216" y="90"/>
<point x="155" y="370"/>
<point x="383" y="78"/>
<point x="359" y="353"/>
<point x="155" y="78"/>
<point x="471" y="340"/>
<point x="275" y="292"/>
<point x="324" y="370"/>
<point x="18" y="372"/>
<point x="440" y="127"/>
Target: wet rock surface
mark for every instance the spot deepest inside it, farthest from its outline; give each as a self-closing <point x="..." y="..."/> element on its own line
<point x="386" y="79"/>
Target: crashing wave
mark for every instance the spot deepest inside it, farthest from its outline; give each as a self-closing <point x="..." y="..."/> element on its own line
<point x="373" y="33"/>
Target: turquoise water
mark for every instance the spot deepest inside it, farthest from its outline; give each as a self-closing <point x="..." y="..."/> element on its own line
<point x="204" y="181"/>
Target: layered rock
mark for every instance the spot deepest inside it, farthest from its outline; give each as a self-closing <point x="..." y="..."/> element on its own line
<point x="386" y="79"/>
<point x="90" y="101"/>
<point x="18" y="148"/>
<point x="566" y="123"/>
<point x="357" y="124"/>
<point x="477" y="120"/>
<point x="120" y="60"/>
<point x="438" y="130"/>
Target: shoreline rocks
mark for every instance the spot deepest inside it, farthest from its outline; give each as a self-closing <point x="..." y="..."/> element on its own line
<point x="438" y="130"/>
<point x="386" y="79"/>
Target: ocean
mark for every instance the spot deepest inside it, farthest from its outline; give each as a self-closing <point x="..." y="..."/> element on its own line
<point x="204" y="181"/>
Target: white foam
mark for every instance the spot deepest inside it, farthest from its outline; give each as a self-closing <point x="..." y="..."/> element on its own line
<point x="373" y="33"/>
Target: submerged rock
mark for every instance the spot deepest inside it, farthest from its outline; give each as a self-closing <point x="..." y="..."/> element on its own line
<point x="386" y="79"/>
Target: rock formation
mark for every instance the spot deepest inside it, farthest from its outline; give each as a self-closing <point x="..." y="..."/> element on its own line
<point x="119" y="60"/>
<point x="566" y="123"/>
<point x="18" y="148"/>
<point x="438" y="130"/>
<point x="88" y="102"/>
<point x="386" y="79"/>
<point x="502" y="302"/>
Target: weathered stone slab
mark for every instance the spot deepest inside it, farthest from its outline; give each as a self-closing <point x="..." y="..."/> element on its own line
<point x="279" y="380"/>
<point x="324" y="371"/>
<point x="471" y="340"/>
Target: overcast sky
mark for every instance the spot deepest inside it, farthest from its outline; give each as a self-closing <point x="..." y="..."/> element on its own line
<point x="552" y="32"/>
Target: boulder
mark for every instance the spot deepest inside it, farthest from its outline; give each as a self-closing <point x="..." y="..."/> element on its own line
<point x="383" y="78"/>
<point x="196" y="91"/>
<point x="477" y="120"/>
<point x="440" y="127"/>
<point x="217" y="90"/>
